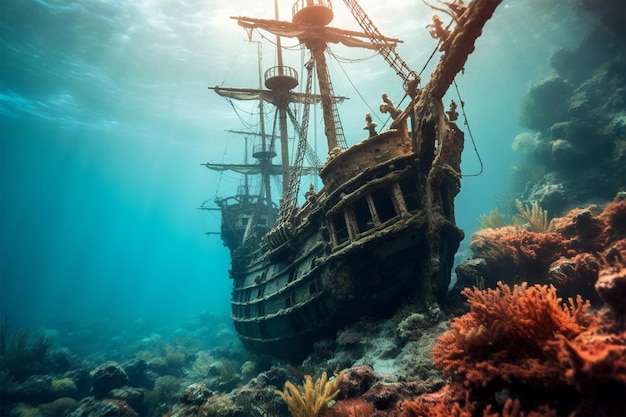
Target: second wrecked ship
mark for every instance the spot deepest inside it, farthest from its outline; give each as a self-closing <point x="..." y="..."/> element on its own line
<point x="382" y="227"/>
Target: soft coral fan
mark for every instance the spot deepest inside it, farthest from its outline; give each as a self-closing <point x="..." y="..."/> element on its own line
<point x="521" y="351"/>
<point x="510" y="335"/>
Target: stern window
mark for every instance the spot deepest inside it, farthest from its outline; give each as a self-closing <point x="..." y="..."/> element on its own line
<point x="363" y="216"/>
<point x="340" y="228"/>
<point x="411" y="196"/>
<point x="384" y="204"/>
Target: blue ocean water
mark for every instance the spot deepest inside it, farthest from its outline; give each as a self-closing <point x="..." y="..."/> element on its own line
<point x="106" y="118"/>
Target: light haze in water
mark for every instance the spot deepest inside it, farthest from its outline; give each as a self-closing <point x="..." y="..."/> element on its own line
<point x="106" y="118"/>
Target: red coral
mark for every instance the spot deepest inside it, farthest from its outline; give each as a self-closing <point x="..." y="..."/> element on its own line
<point x="352" y="407"/>
<point x="510" y="334"/>
<point x="595" y="360"/>
<point x="516" y="254"/>
<point x="611" y="286"/>
<point x="583" y="243"/>
<point x="357" y="381"/>
<point x="614" y="218"/>
<point x="447" y="402"/>
<point x="577" y="275"/>
<point x="595" y="364"/>
<point x="580" y="229"/>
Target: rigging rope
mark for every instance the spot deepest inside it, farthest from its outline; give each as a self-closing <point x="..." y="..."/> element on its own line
<point x="375" y="113"/>
<point x="351" y="60"/>
<point x="237" y="112"/>
<point x="466" y="123"/>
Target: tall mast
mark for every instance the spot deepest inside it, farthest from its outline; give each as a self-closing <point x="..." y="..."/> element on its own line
<point x="310" y="25"/>
<point x="319" y="13"/>
<point x="264" y="155"/>
<point x="282" y="110"/>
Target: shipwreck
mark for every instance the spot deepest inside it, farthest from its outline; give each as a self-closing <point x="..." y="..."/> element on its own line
<point x="382" y="227"/>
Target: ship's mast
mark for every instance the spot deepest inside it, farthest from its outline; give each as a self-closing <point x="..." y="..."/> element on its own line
<point x="310" y="25"/>
<point x="281" y="80"/>
<point x="264" y="154"/>
<point x="319" y="13"/>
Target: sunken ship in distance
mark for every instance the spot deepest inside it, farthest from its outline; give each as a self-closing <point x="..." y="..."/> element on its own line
<point x="382" y="227"/>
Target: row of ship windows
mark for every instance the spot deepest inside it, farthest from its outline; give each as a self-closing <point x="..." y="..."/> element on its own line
<point x="373" y="209"/>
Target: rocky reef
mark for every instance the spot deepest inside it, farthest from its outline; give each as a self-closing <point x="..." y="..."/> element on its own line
<point x="575" y="146"/>
<point x="137" y="370"/>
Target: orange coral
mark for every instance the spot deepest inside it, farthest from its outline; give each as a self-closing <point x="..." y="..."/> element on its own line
<point x="614" y="218"/>
<point x="583" y="243"/>
<point x="586" y="230"/>
<point x="514" y="253"/>
<point x="447" y="402"/>
<point x="509" y="334"/>
<point x="595" y="364"/>
<point x="352" y="407"/>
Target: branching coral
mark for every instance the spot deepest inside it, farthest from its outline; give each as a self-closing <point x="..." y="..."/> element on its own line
<point x="536" y="217"/>
<point x="510" y="334"/>
<point x="175" y="358"/>
<point x="447" y="402"/>
<point x="311" y="398"/>
<point x="166" y="389"/>
<point x="493" y="220"/>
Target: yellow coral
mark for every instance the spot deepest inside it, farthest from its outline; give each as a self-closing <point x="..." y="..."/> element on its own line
<point x="493" y="220"/>
<point x="535" y="216"/>
<point x="309" y="399"/>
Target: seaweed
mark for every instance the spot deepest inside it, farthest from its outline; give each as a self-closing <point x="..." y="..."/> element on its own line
<point x="21" y="352"/>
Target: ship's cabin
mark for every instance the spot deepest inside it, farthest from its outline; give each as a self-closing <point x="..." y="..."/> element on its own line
<point x="373" y="208"/>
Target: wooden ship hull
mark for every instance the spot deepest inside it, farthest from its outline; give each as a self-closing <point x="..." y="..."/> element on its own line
<point x="380" y="230"/>
<point x="360" y="247"/>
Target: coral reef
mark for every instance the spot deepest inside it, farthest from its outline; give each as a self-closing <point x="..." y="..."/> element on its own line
<point x="519" y="350"/>
<point x="571" y="256"/>
<point x="522" y="352"/>
<point x="510" y="335"/>
<point x="311" y="398"/>
<point x="513" y="254"/>
<point x="536" y="217"/>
